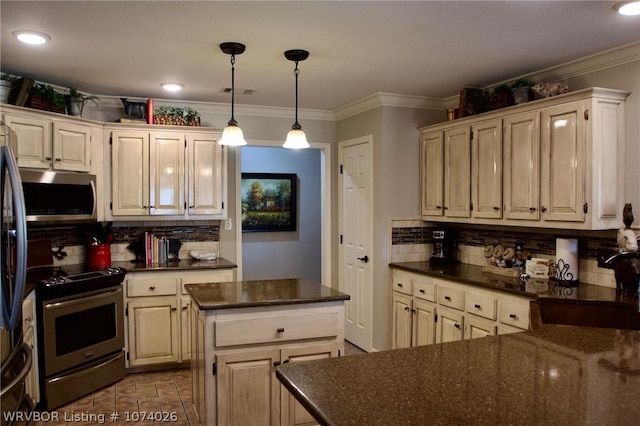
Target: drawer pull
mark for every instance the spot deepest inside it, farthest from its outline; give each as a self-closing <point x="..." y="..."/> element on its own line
<point x="514" y="316"/>
<point x="477" y="306"/>
<point x="399" y="284"/>
<point x="152" y="287"/>
<point x="406" y="308"/>
<point x="286" y="361"/>
<point x="280" y="330"/>
<point x="447" y="298"/>
<point x="456" y="325"/>
<point x="276" y="363"/>
<point x="421" y="291"/>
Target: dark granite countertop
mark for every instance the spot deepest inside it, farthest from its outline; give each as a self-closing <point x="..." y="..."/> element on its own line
<point x="474" y="275"/>
<point x="553" y="375"/>
<point x="244" y="294"/>
<point x="183" y="264"/>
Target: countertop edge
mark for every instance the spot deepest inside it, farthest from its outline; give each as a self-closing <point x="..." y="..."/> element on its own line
<point x="207" y="307"/>
<point x="302" y="399"/>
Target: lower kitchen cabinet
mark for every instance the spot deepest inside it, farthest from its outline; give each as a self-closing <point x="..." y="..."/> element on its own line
<point x="429" y="310"/>
<point x="235" y="353"/>
<point x="158" y="329"/>
<point x="153" y="331"/>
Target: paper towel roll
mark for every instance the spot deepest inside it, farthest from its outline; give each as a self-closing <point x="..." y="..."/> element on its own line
<point x="567" y="259"/>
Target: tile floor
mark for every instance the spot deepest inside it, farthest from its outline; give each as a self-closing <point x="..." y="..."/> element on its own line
<point x="160" y="391"/>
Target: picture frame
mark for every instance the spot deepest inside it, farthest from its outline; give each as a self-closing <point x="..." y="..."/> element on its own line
<point x="269" y="202"/>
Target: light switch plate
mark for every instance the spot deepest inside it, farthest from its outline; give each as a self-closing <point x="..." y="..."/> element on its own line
<point x="228" y="225"/>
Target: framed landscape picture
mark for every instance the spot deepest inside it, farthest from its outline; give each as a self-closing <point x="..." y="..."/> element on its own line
<point x="268" y="202"/>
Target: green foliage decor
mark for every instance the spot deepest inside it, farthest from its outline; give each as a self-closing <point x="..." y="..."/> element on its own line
<point x="180" y="116"/>
<point x="522" y="82"/>
<point x="49" y="94"/>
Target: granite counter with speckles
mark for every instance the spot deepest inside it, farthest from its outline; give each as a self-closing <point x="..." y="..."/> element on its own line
<point x="244" y="294"/>
<point x="554" y="375"/>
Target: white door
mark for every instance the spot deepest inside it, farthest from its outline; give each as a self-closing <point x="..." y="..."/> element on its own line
<point x="356" y="263"/>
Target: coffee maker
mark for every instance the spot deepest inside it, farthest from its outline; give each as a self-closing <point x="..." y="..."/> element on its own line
<point x="444" y="244"/>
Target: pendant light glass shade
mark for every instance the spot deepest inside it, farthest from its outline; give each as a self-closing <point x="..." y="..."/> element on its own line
<point x="296" y="139"/>
<point x="232" y="134"/>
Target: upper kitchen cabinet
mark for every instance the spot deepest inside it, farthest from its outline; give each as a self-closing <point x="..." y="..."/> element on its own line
<point x="445" y="171"/>
<point x="51" y="141"/>
<point x="557" y="163"/>
<point x="169" y="173"/>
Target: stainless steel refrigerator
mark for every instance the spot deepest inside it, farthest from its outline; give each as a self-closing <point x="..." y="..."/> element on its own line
<point x="15" y="355"/>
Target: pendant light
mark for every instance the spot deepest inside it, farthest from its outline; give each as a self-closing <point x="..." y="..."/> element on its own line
<point x="232" y="134"/>
<point x="296" y="139"/>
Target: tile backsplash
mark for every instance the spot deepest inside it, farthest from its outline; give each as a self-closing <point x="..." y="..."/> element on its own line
<point x="411" y="242"/>
<point x="72" y="240"/>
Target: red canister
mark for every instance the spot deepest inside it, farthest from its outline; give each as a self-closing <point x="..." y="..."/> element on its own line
<point x="149" y="111"/>
<point x="99" y="256"/>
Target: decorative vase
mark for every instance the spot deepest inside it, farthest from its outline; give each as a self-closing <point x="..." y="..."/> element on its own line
<point x="5" y="89"/>
<point x="521" y="94"/>
<point x="75" y="107"/>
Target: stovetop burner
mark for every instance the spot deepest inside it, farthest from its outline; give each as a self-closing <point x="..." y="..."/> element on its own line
<point x="54" y="281"/>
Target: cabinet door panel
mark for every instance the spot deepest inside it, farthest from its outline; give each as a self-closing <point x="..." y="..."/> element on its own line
<point x="562" y="165"/>
<point x="486" y="169"/>
<point x="424" y="325"/>
<point x="457" y="172"/>
<point x="292" y="412"/>
<point x="130" y="173"/>
<point x="30" y="139"/>
<point x="450" y="326"/>
<point x="401" y="337"/>
<point x="205" y="175"/>
<point x="71" y="147"/>
<point x="166" y="174"/>
<point x="522" y="166"/>
<point x="432" y="174"/>
<point x="477" y="328"/>
<point x="248" y="391"/>
<point x="185" y="329"/>
<point x="153" y="331"/>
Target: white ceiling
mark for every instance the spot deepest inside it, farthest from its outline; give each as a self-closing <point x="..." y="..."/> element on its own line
<point x="423" y="48"/>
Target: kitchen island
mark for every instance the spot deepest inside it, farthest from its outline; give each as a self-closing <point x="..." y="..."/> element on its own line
<point x="552" y="375"/>
<point x="241" y="331"/>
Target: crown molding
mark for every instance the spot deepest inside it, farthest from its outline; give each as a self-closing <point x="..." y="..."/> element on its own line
<point x="387" y="99"/>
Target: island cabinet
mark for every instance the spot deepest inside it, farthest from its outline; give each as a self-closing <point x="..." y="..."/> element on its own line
<point x="429" y="310"/>
<point x="236" y="348"/>
<point x="556" y="163"/>
<point x="169" y="172"/>
<point x="157" y="309"/>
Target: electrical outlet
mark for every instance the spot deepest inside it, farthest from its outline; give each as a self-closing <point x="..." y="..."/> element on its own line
<point x="228" y="225"/>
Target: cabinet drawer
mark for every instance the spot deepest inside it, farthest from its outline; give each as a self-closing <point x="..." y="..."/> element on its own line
<point x="402" y="284"/>
<point x="221" y="276"/>
<point x="277" y="329"/>
<point x="451" y="297"/>
<point x="424" y="290"/>
<point x="514" y="314"/>
<point x="483" y="305"/>
<point x="156" y="287"/>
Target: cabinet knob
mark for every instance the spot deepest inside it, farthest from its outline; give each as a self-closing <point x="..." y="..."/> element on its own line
<point x="438" y="207"/>
<point x="477" y="306"/>
<point x="174" y="309"/>
<point x="184" y="308"/>
<point x="406" y="308"/>
<point x="399" y="284"/>
<point x="58" y="159"/>
<point x="286" y="361"/>
<point x="447" y="298"/>
<point x="456" y="325"/>
<point x="446" y="208"/>
<point x="47" y="158"/>
<point x="192" y="207"/>
<point x="532" y="209"/>
<point x="152" y="287"/>
<point x="414" y="311"/>
<point x="276" y="363"/>
<point x="421" y="291"/>
<point x="543" y="209"/>
<point x="513" y="316"/>
<point x="27" y="319"/>
<point x="280" y="330"/>
<point x="495" y="209"/>
<point x="152" y="207"/>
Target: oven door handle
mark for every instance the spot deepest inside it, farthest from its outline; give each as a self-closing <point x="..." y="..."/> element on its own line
<point x="82" y="300"/>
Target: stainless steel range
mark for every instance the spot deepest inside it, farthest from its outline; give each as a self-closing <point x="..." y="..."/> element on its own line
<point x="80" y="331"/>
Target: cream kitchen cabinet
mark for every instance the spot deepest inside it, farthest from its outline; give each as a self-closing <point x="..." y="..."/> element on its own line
<point x="562" y="163"/>
<point x="414" y="311"/>
<point x="29" y="327"/>
<point x="445" y="172"/>
<point x="168" y="172"/>
<point x="158" y="329"/>
<point x="236" y="351"/>
<point x="42" y="141"/>
<point x="430" y="310"/>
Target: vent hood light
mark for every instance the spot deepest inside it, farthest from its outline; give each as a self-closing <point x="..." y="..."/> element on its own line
<point x="31" y="37"/>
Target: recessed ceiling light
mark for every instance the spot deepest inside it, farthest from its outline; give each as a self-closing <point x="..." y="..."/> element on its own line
<point x="172" y="87"/>
<point x="629" y="8"/>
<point x="31" y="37"/>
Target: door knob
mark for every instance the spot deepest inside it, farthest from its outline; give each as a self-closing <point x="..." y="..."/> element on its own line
<point x="364" y="258"/>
